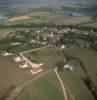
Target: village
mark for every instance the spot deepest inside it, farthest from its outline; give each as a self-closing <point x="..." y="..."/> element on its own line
<point x="43" y="37"/>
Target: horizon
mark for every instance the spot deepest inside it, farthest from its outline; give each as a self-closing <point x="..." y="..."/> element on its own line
<point x="45" y="1"/>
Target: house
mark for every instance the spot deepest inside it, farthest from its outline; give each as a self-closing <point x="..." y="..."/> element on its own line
<point x="5" y="53"/>
<point x="32" y="41"/>
<point x="24" y="64"/>
<point x="55" y="39"/>
<point x="15" y="43"/>
<point x="18" y="59"/>
<point x="63" y="47"/>
<point x="68" y="67"/>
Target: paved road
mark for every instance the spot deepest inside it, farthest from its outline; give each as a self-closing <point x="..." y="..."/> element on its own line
<point x="62" y="85"/>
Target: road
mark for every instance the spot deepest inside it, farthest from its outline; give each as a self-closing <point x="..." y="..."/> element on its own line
<point x="62" y="84"/>
<point x="36" y="49"/>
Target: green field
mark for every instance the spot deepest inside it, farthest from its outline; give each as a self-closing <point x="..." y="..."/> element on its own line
<point x="93" y="24"/>
<point x="75" y="79"/>
<point x="50" y="17"/>
<point x="49" y="56"/>
<point x="45" y="88"/>
<point x="75" y="84"/>
<point x="88" y="57"/>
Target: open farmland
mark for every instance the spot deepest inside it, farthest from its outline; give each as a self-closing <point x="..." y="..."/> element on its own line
<point x="75" y="84"/>
<point x="11" y="75"/>
<point x="47" y="17"/>
<point x="5" y="32"/>
<point x="73" y="80"/>
<point x="49" y="56"/>
<point x="88" y="57"/>
<point x="18" y="18"/>
<point x="45" y="88"/>
<point x="92" y="24"/>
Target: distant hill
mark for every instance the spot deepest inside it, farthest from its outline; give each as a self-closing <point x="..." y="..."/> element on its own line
<point x="42" y="1"/>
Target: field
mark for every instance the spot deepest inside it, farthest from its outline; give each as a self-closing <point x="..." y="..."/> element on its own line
<point x="18" y="18"/>
<point x="5" y="32"/>
<point x="75" y="79"/>
<point x="49" y="56"/>
<point x="11" y="75"/>
<point x="92" y="24"/>
<point x="47" y="17"/>
<point x="75" y="84"/>
<point x="88" y="57"/>
<point x="48" y="84"/>
<point x="45" y="88"/>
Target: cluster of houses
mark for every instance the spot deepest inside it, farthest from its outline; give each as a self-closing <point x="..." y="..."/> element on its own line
<point x="92" y="32"/>
<point x="25" y="63"/>
<point x="41" y="36"/>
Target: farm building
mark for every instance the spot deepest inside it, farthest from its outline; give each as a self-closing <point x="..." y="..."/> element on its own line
<point x="68" y="67"/>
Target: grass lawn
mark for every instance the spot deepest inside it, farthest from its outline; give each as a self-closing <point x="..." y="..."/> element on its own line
<point x="45" y="88"/>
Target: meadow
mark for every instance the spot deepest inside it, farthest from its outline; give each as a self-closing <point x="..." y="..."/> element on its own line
<point x="76" y="79"/>
<point x="45" y="88"/>
<point x="73" y="80"/>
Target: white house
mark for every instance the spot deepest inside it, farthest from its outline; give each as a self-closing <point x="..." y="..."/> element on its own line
<point x="18" y="59"/>
<point x="63" y="47"/>
<point x="68" y="67"/>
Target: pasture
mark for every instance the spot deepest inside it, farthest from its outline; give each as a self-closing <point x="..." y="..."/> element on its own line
<point x="75" y="79"/>
<point x="45" y="88"/>
<point x="72" y="80"/>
